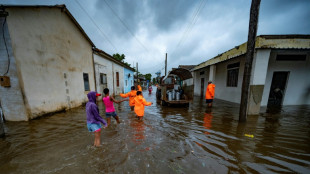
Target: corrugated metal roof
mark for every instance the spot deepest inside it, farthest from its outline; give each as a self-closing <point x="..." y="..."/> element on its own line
<point x="262" y="42"/>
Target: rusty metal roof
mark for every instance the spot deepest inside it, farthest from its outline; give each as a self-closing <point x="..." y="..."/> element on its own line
<point x="262" y="42"/>
<point x="182" y="73"/>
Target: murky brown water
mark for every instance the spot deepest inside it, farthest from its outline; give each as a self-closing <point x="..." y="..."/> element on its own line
<point x="168" y="140"/>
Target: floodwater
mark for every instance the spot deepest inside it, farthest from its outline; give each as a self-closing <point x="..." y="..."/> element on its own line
<point x="168" y="140"/>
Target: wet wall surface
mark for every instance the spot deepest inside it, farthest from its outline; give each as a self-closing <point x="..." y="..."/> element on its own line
<point x="168" y="140"/>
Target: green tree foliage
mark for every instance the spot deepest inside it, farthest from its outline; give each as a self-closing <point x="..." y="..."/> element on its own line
<point x="154" y="80"/>
<point x="148" y="76"/>
<point x="120" y="58"/>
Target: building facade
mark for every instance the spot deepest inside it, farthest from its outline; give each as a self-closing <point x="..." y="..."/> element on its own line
<point x="128" y="79"/>
<point x="110" y="73"/>
<point x="279" y="72"/>
<point x="47" y="60"/>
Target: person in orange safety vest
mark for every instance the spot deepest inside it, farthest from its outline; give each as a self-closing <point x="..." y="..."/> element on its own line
<point x="140" y="102"/>
<point x="210" y="93"/>
<point x="139" y="88"/>
<point x="132" y="94"/>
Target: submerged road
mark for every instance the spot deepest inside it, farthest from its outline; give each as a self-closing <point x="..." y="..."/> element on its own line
<point x="168" y="140"/>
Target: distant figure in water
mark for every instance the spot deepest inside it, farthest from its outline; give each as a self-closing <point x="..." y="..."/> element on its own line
<point x="210" y="93"/>
<point x="140" y="102"/>
<point x="150" y="89"/>
<point x="94" y="120"/>
<point x="132" y="94"/>
<point x="109" y="107"/>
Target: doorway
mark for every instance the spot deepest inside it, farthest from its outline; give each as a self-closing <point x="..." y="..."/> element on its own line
<point x="277" y="89"/>
<point x="202" y="87"/>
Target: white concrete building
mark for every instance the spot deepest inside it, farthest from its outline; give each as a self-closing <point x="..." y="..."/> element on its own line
<point x="280" y="71"/>
<point x="48" y="59"/>
<point x="109" y="72"/>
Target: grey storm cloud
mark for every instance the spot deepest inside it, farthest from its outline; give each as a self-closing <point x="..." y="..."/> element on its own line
<point x="163" y="13"/>
<point x="154" y="27"/>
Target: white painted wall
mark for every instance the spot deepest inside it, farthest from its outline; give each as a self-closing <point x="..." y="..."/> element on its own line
<point x="47" y="44"/>
<point x="298" y="85"/>
<point x="232" y="94"/>
<point x="110" y="68"/>
<point x="260" y="67"/>
<point x="197" y="80"/>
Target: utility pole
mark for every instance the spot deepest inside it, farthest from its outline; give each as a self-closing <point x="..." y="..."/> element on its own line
<point x="137" y="73"/>
<point x="2" y="133"/>
<point x="166" y="65"/>
<point x="249" y="59"/>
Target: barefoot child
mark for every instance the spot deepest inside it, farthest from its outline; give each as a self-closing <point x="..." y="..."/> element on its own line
<point x="140" y="102"/>
<point x="93" y="117"/>
<point x="109" y="107"/>
<point x="132" y="94"/>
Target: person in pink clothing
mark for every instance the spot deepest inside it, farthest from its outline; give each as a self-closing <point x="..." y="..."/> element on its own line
<point x="109" y="107"/>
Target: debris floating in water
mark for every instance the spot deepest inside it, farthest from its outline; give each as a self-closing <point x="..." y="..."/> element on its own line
<point x="249" y="135"/>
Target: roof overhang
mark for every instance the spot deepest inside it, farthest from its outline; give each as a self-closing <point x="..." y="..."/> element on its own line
<point x="109" y="57"/>
<point x="262" y="42"/>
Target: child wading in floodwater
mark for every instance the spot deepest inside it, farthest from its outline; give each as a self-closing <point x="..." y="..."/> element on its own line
<point x="132" y="94"/>
<point x="140" y="102"/>
<point x="93" y="117"/>
<point x="109" y="107"/>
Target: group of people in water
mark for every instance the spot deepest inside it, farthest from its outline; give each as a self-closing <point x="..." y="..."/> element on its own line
<point x="94" y="120"/>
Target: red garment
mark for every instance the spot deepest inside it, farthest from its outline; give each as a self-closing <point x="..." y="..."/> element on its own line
<point x="210" y="91"/>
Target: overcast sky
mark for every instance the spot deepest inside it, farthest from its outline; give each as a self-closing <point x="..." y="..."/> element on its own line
<point x="190" y="31"/>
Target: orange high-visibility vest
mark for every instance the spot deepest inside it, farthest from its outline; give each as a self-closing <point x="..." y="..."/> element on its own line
<point x="140" y="102"/>
<point x="139" y="88"/>
<point x="132" y="94"/>
<point x="210" y="91"/>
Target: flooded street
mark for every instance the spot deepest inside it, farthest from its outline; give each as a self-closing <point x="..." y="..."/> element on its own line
<point x="168" y="140"/>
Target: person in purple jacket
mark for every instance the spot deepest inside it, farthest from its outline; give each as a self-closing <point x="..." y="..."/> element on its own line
<point x="94" y="120"/>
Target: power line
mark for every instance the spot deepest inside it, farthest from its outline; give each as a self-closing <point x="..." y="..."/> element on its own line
<point x="96" y="25"/>
<point x="125" y="26"/>
<point x="191" y="24"/>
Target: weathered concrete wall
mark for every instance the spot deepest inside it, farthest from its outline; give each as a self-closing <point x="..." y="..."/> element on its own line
<point x="51" y="56"/>
<point x="109" y="68"/>
<point x="130" y="79"/>
<point x="298" y="85"/>
<point x="197" y="80"/>
<point x="11" y="98"/>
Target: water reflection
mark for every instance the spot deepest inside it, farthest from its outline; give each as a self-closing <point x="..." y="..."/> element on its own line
<point x="168" y="140"/>
<point x="139" y="129"/>
<point x="207" y="120"/>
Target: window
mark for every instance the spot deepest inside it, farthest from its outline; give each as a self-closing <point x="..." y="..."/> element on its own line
<point x="103" y="79"/>
<point x="86" y="81"/>
<point x="117" y="79"/>
<point x="232" y="74"/>
<point x="202" y="73"/>
<point x="126" y="83"/>
<point x="291" y="57"/>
